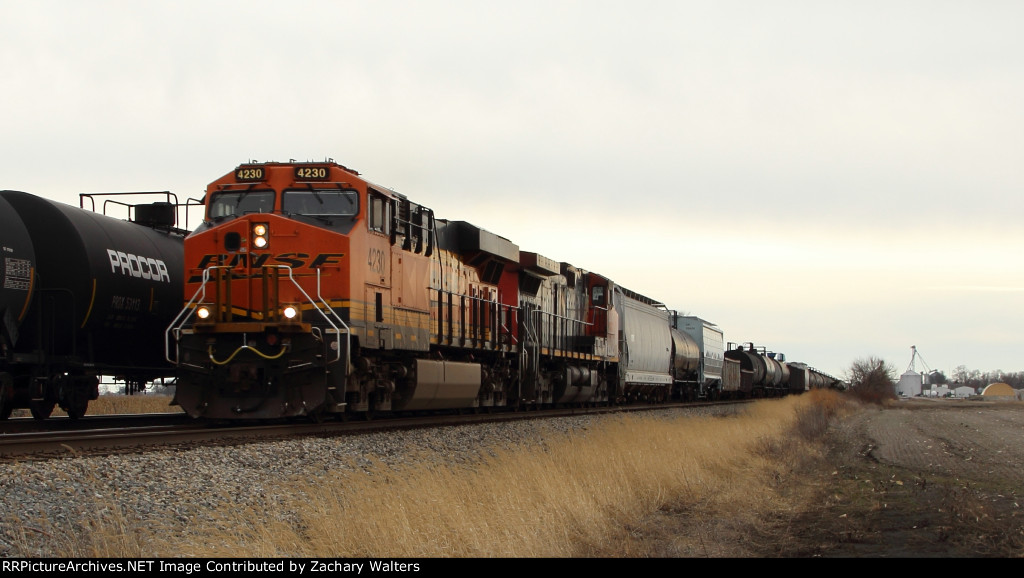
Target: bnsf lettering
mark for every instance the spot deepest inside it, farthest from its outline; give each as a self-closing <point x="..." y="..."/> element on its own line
<point x="136" y="266"/>
<point x="233" y="260"/>
<point x="293" y="260"/>
<point x="326" y="259"/>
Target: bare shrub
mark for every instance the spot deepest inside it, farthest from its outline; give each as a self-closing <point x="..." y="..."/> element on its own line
<point x="813" y="418"/>
<point x="872" y="380"/>
<point x="811" y="422"/>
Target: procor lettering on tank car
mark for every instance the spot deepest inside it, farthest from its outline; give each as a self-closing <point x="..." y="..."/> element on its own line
<point x="312" y="291"/>
<point x="83" y="295"/>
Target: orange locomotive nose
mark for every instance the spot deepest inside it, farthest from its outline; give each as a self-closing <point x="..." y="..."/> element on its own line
<point x="271" y="264"/>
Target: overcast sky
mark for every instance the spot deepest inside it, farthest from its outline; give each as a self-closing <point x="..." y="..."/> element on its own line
<point x="828" y="179"/>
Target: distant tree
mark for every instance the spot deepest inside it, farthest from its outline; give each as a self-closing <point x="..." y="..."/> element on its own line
<point x="1015" y="379"/>
<point x="978" y="379"/>
<point x="872" y="379"/>
<point x="960" y="374"/>
<point x="937" y="378"/>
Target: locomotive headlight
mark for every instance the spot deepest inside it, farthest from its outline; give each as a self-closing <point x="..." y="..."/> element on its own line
<point x="290" y="311"/>
<point x="203" y="312"/>
<point x="260" y="235"/>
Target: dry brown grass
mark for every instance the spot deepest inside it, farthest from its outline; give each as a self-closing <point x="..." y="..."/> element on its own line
<point x="575" y="495"/>
<point x="120" y="405"/>
<point x="590" y="493"/>
<point x="128" y="404"/>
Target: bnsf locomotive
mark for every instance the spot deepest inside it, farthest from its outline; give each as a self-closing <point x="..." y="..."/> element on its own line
<point x="83" y="295"/>
<point x="313" y="291"/>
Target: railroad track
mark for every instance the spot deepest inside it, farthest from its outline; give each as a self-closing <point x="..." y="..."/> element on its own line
<point x="95" y="435"/>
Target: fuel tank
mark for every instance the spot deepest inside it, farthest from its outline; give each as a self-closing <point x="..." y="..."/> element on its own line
<point x="106" y="288"/>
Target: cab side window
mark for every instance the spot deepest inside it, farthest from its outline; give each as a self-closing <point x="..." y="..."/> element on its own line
<point x="378" y="213"/>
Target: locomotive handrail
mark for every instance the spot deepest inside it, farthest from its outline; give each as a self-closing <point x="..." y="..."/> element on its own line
<point x="508" y="330"/>
<point x="178" y="322"/>
<point x="531" y="335"/>
<point x="188" y="310"/>
<point x="564" y="335"/>
<point x="348" y="332"/>
<point x="499" y="326"/>
<point x="592" y="314"/>
<point x="327" y="318"/>
<point x="566" y="318"/>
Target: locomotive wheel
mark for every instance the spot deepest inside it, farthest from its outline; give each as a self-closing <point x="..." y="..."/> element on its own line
<point x="6" y="395"/>
<point x="41" y="409"/>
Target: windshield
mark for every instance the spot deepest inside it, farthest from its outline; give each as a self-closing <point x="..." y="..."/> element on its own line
<point x="235" y="203"/>
<point x="323" y="202"/>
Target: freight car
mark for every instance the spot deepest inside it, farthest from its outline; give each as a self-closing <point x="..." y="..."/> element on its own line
<point x="83" y="295"/>
<point x="805" y="378"/>
<point x="313" y="291"/>
<point x="760" y="373"/>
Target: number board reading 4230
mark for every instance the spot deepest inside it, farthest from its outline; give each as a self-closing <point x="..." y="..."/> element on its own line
<point x="249" y="174"/>
<point x="311" y="173"/>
